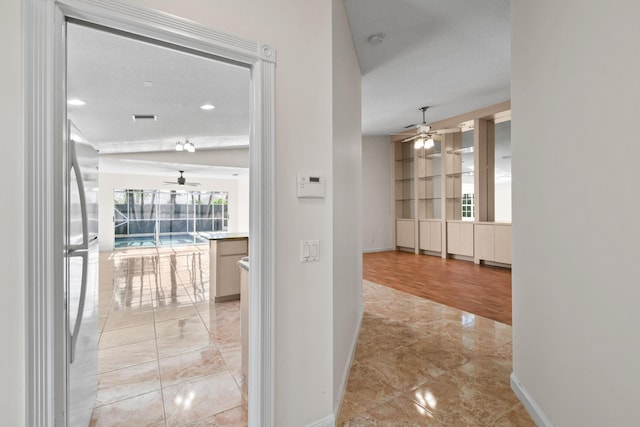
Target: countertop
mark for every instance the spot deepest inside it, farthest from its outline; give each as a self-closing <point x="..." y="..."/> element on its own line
<point x="224" y="236"/>
<point x="244" y="263"/>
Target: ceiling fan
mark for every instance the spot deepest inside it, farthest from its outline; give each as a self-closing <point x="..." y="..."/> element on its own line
<point x="424" y="134"/>
<point x="182" y="181"/>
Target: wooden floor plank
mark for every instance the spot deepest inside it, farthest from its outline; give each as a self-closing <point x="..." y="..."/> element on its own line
<point x="479" y="289"/>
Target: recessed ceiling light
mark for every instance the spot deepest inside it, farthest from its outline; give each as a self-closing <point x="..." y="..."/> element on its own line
<point x="207" y="107"/>
<point x="147" y="84"/>
<point x="76" y="101"/>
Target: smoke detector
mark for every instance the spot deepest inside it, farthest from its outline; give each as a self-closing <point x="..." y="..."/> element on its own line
<point x="376" y="39"/>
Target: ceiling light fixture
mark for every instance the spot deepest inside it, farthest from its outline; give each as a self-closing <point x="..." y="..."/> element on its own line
<point x="76" y="102"/>
<point x="429" y="143"/>
<point x="185" y="146"/>
<point x="207" y="107"/>
<point x="418" y="144"/>
<point x="144" y="117"/>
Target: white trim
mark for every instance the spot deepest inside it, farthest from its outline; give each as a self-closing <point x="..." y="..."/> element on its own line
<point x="347" y="368"/>
<point x="44" y="100"/>
<point x="328" y="421"/>
<point x="368" y="251"/>
<point x="530" y="405"/>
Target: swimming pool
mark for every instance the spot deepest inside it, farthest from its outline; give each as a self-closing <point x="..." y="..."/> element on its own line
<point x="163" y="240"/>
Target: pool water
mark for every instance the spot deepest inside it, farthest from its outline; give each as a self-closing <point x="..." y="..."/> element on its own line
<point x="150" y="241"/>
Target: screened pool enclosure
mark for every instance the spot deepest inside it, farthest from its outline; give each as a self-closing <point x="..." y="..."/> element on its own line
<point x="167" y="217"/>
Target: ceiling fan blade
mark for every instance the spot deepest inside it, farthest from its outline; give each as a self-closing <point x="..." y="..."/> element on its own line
<point x="192" y="184"/>
<point x="412" y="138"/>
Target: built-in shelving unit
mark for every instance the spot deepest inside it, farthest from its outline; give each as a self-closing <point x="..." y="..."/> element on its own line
<point x="444" y="193"/>
<point x="404" y="181"/>
<point x="404" y="171"/>
<point x="460" y="169"/>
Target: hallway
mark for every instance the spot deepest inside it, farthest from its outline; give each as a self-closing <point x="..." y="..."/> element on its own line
<point x="434" y="345"/>
<point x="421" y="363"/>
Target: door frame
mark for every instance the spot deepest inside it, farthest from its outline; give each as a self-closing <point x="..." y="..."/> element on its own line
<point x="44" y="132"/>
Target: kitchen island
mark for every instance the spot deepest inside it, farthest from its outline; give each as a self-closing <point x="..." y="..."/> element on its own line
<point x="225" y="250"/>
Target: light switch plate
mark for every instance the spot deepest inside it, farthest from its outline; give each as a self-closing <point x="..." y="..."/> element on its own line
<point x="309" y="250"/>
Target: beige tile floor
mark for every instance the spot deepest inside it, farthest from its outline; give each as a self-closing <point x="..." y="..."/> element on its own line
<point x="167" y="357"/>
<point x="170" y="358"/>
<point x="421" y="363"/>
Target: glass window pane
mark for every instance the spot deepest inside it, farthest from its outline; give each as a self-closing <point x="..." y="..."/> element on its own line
<point x="174" y="215"/>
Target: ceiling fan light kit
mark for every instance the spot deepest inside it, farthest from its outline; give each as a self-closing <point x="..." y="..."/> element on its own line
<point x="185" y="145"/>
<point x="423" y="137"/>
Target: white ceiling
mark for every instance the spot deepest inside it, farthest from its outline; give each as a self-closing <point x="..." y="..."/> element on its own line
<point x="119" y="76"/>
<point x="453" y="56"/>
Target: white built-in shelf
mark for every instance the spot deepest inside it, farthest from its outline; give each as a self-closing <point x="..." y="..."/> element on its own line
<point x="467" y="173"/>
<point x="463" y="150"/>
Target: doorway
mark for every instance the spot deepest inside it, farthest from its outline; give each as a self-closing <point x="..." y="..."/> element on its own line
<point x="44" y="128"/>
<point x="164" y="343"/>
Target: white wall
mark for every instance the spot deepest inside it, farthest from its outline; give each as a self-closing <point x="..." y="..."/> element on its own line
<point x="301" y="32"/>
<point x="377" y="214"/>
<point x="576" y="234"/>
<point x="238" y="214"/>
<point x="12" y="355"/>
<point x="347" y="206"/>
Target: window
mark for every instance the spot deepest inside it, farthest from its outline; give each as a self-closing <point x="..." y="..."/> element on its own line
<point x="167" y="217"/>
<point x="467" y="206"/>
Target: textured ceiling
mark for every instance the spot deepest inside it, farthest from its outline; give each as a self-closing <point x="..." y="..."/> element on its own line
<point x="453" y="56"/>
<point x="118" y="76"/>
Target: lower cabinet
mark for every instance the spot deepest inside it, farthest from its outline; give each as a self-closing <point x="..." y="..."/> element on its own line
<point x="493" y="243"/>
<point x="431" y="236"/>
<point x="224" y="274"/>
<point x="460" y="238"/>
<point x="502" y="233"/>
<point x="405" y="233"/>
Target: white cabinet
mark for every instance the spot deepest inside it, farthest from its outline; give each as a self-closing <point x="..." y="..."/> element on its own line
<point x="224" y="274"/>
<point x="405" y="233"/>
<point x="460" y="238"/>
<point x="493" y="243"/>
<point x="503" y="243"/>
<point x="431" y="236"/>
<point x="484" y="242"/>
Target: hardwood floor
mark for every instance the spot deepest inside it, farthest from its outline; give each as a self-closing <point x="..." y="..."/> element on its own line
<point x="478" y="289"/>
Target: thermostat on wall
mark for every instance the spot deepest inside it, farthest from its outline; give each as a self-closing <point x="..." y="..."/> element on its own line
<point x="311" y="186"/>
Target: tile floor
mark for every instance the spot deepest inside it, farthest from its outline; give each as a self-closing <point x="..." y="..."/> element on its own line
<point x="170" y="358"/>
<point x="167" y="357"/>
<point x="419" y="363"/>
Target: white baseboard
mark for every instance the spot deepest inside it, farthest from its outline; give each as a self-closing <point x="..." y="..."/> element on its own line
<point x="347" y="368"/>
<point x="367" y="251"/>
<point x="329" y="421"/>
<point x="530" y="405"/>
